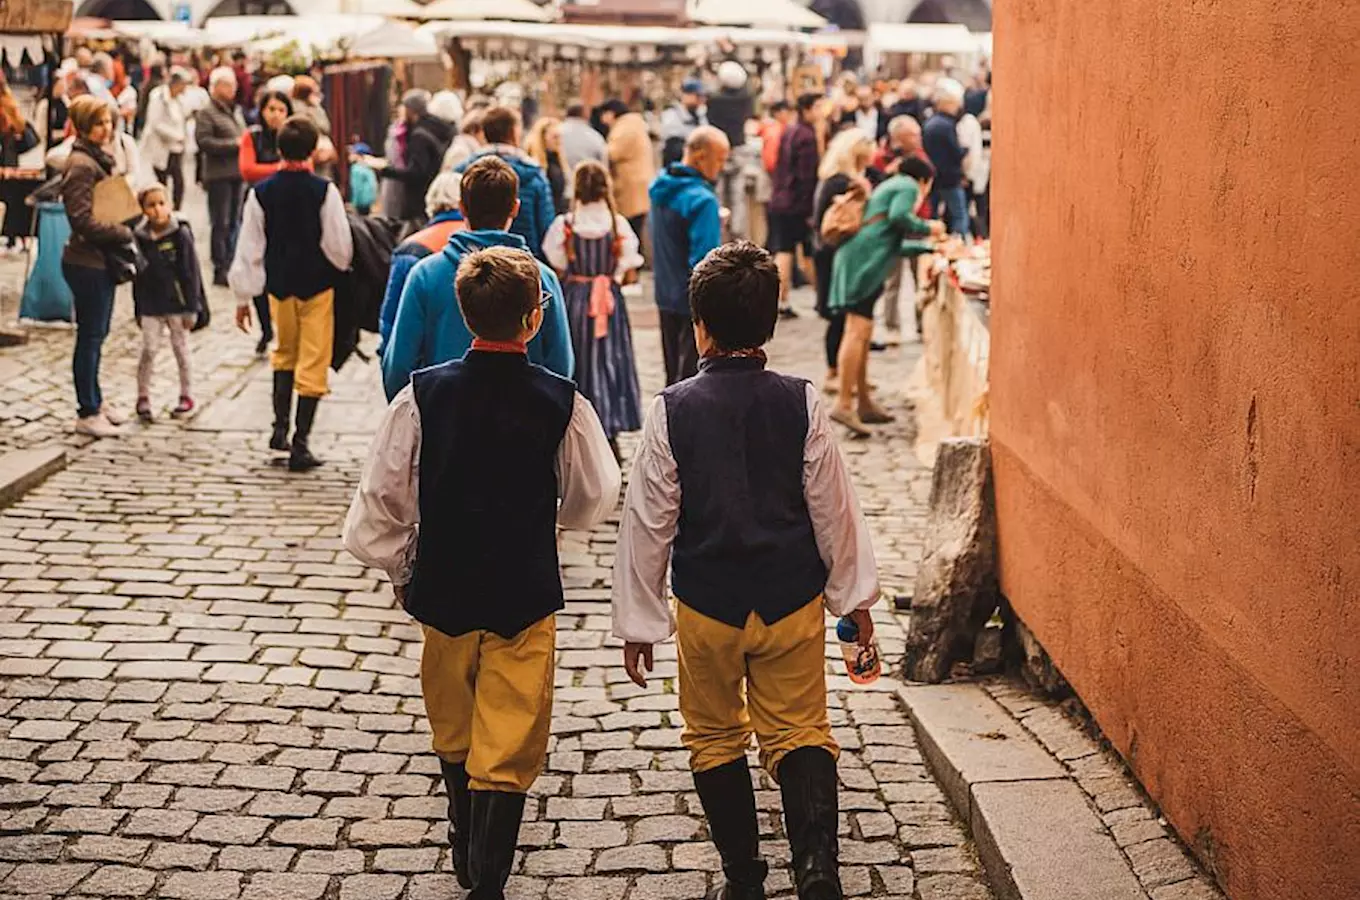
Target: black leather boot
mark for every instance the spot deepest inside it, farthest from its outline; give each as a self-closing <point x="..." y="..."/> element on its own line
<point x="494" y="832"/>
<point x="456" y="785"/>
<point x="729" y="803"/>
<point x="283" y="411"/>
<point x="301" y="458"/>
<point x="807" y="781"/>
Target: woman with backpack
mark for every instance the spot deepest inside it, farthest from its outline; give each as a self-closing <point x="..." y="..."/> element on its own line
<point x="888" y="229"/>
<point x="841" y="185"/>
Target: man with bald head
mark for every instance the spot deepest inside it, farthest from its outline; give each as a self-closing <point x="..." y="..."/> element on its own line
<point x="686" y="224"/>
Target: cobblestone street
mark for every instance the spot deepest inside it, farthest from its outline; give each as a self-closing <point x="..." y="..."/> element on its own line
<point x="204" y="697"/>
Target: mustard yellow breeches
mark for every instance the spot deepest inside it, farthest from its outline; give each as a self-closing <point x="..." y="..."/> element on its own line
<point x="489" y="701"/>
<point x="305" y="329"/>
<point x="769" y="680"/>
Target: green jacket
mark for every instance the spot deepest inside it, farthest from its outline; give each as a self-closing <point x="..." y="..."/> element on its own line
<point x="862" y="264"/>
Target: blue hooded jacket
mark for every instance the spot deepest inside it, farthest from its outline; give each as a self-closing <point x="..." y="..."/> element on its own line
<point x="536" y="209"/>
<point x="685" y="226"/>
<point x="430" y="330"/>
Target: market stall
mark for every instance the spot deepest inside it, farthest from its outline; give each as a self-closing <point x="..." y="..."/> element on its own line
<point x="898" y="50"/>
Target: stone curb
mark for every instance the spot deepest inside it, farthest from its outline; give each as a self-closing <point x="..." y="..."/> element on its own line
<point x="23" y="470"/>
<point x="1036" y="833"/>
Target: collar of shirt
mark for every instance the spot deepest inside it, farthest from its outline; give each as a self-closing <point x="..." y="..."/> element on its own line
<point x="499" y="346"/>
<point x="592" y="220"/>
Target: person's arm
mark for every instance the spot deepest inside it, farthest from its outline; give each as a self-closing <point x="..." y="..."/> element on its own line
<point x="384" y="517"/>
<point x="337" y="240"/>
<point x="806" y="161"/>
<point x="838" y="524"/>
<point x="77" y="193"/>
<point x="588" y="477"/>
<point x="246" y="276"/>
<point x="551" y="347"/>
<point x="902" y="212"/>
<point x="404" y="346"/>
<point x="544" y="209"/>
<point x="402" y="263"/>
<point x="555" y="245"/>
<point x="199" y="297"/>
<point x="630" y="249"/>
<point x="158" y="111"/>
<point x="212" y="143"/>
<point x="651" y="513"/>
<point x="705" y="229"/>
<point x="955" y="148"/>
<point x="252" y="170"/>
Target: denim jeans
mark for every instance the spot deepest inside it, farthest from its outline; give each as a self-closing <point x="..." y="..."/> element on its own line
<point x="952" y="205"/>
<point x="224" y="212"/>
<point x="93" y="290"/>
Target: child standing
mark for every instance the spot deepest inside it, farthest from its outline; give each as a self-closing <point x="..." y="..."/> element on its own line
<point x="167" y="295"/>
<point x="739" y="486"/>
<point x="295" y="240"/>
<point x="459" y="505"/>
<point x="594" y="248"/>
<point x="363" y="181"/>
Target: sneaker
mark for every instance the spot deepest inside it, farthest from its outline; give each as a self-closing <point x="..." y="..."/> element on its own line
<point x="114" y="417"/>
<point x="185" y="407"/>
<point x="144" y="411"/>
<point x="96" y="426"/>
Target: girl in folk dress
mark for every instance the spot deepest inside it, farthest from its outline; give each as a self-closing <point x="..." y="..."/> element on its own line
<point x="594" y="249"/>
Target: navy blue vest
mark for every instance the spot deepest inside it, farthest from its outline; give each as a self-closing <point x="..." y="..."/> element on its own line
<point x="745" y="541"/>
<point x="491" y="424"/>
<point x="294" y="265"/>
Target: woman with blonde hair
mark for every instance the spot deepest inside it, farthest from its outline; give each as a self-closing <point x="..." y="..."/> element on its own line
<point x="594" y="248"/>
<point x="842" y="170"/>
<point x="544" y="145"/>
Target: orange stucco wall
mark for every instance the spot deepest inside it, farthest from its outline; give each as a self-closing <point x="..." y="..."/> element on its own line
<point x="1175" y="399"/>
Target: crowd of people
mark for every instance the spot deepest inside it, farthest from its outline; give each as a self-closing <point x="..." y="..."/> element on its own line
<point x="507" y="356"/>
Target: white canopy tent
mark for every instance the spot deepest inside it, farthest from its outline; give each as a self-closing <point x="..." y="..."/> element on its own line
<point x="359" y="36"/>
<point x="931" y="40"/>
<point x="487" y="10"/>
<point x="758" y="13"/>
<point x="604" y="37"/>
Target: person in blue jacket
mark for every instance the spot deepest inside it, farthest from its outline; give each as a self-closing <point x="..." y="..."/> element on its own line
<point x="441" y="205"/>
<point x="685" y="225"/>
<point x="503" y="130"/>
<point x="429" y="328"/>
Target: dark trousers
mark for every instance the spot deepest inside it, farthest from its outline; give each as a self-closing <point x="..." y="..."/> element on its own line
<point x="835" y="330"/>
<point x="638" y="224"/>
<point x="93" y="290"/>
<point x="677" y="346"/>
<point x="266" y="320"/>
<point x="224" y="212"/>
<point x="173" y="176"/>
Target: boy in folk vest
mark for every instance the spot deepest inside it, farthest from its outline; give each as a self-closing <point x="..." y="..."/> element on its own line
<point x="295" y="240"/>
<point x="459" y="505"/>
<point x="739" y="486"/>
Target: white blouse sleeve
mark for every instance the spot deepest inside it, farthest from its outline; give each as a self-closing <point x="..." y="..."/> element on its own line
<point x="555" y="244"/>
<point x="630" y="255"/>
<point x="588" y="477"/>
<point x="837" y="522"/>
<point x="381" y="527"/>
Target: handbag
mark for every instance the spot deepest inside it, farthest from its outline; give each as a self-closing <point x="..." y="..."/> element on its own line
<point x="845" y="216"/>
<point x="114" y="201"/>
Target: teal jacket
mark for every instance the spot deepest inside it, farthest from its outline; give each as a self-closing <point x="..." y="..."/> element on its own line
<point x="862" y="264"/>
<point x="430" y="330"/>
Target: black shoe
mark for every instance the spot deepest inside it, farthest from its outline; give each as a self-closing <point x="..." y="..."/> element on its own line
<point x="220" y="278"/>
<point x="876" y="347"/>
<point x="729" y="803"/>
<point x="493" y="833"/>
<point x="301" y="458"/>
<point x="807" y="781"/>
<point x="283" y="411"/>
<point x="787" y="312"/>
<point x="456" y="786"/>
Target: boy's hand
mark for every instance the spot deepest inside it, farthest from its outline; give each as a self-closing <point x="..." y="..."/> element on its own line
<point x="637" y="661"/>
<point x="243" y="317"/>
<point x="865" y="623"/>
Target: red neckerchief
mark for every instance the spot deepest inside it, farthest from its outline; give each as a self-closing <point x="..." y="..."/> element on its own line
<point x="499" y="346"/>
<point x="293" y="166"/>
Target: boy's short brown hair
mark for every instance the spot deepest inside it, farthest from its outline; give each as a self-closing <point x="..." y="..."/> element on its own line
<point x="144" y="195"/>
<point x="298" y="139"/>
<point x="499" y="124"/>
<point x="497" y="289"/>
<point x="489" y="190"/>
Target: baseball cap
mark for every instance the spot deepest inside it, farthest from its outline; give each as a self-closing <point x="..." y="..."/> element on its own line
<point x="693" y="86"/>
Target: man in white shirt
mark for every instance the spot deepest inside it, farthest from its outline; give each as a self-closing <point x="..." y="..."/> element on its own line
<point x="295" y="240"/>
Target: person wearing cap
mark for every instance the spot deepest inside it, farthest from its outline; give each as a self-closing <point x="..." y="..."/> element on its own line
<point x="729" y="110"/>
<point x="427" y="137"/>
<point x="167" y="131"/>
<point x="680" y="119"/>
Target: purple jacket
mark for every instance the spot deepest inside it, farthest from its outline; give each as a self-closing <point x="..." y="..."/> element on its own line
<point x="795" y="174"/>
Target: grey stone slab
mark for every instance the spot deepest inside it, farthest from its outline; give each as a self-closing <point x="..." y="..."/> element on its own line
<point x="23" y="470"/>
<point x="1041" y="840"/>
<point x="969" y="739"/>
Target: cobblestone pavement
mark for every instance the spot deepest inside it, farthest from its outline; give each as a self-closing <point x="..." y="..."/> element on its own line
<point x="203" y="696"/>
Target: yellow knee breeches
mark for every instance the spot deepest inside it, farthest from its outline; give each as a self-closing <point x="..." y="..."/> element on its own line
<point x="766" y="679"/>
<point x="305" y="329"/>
<point x="489" y="700"/>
